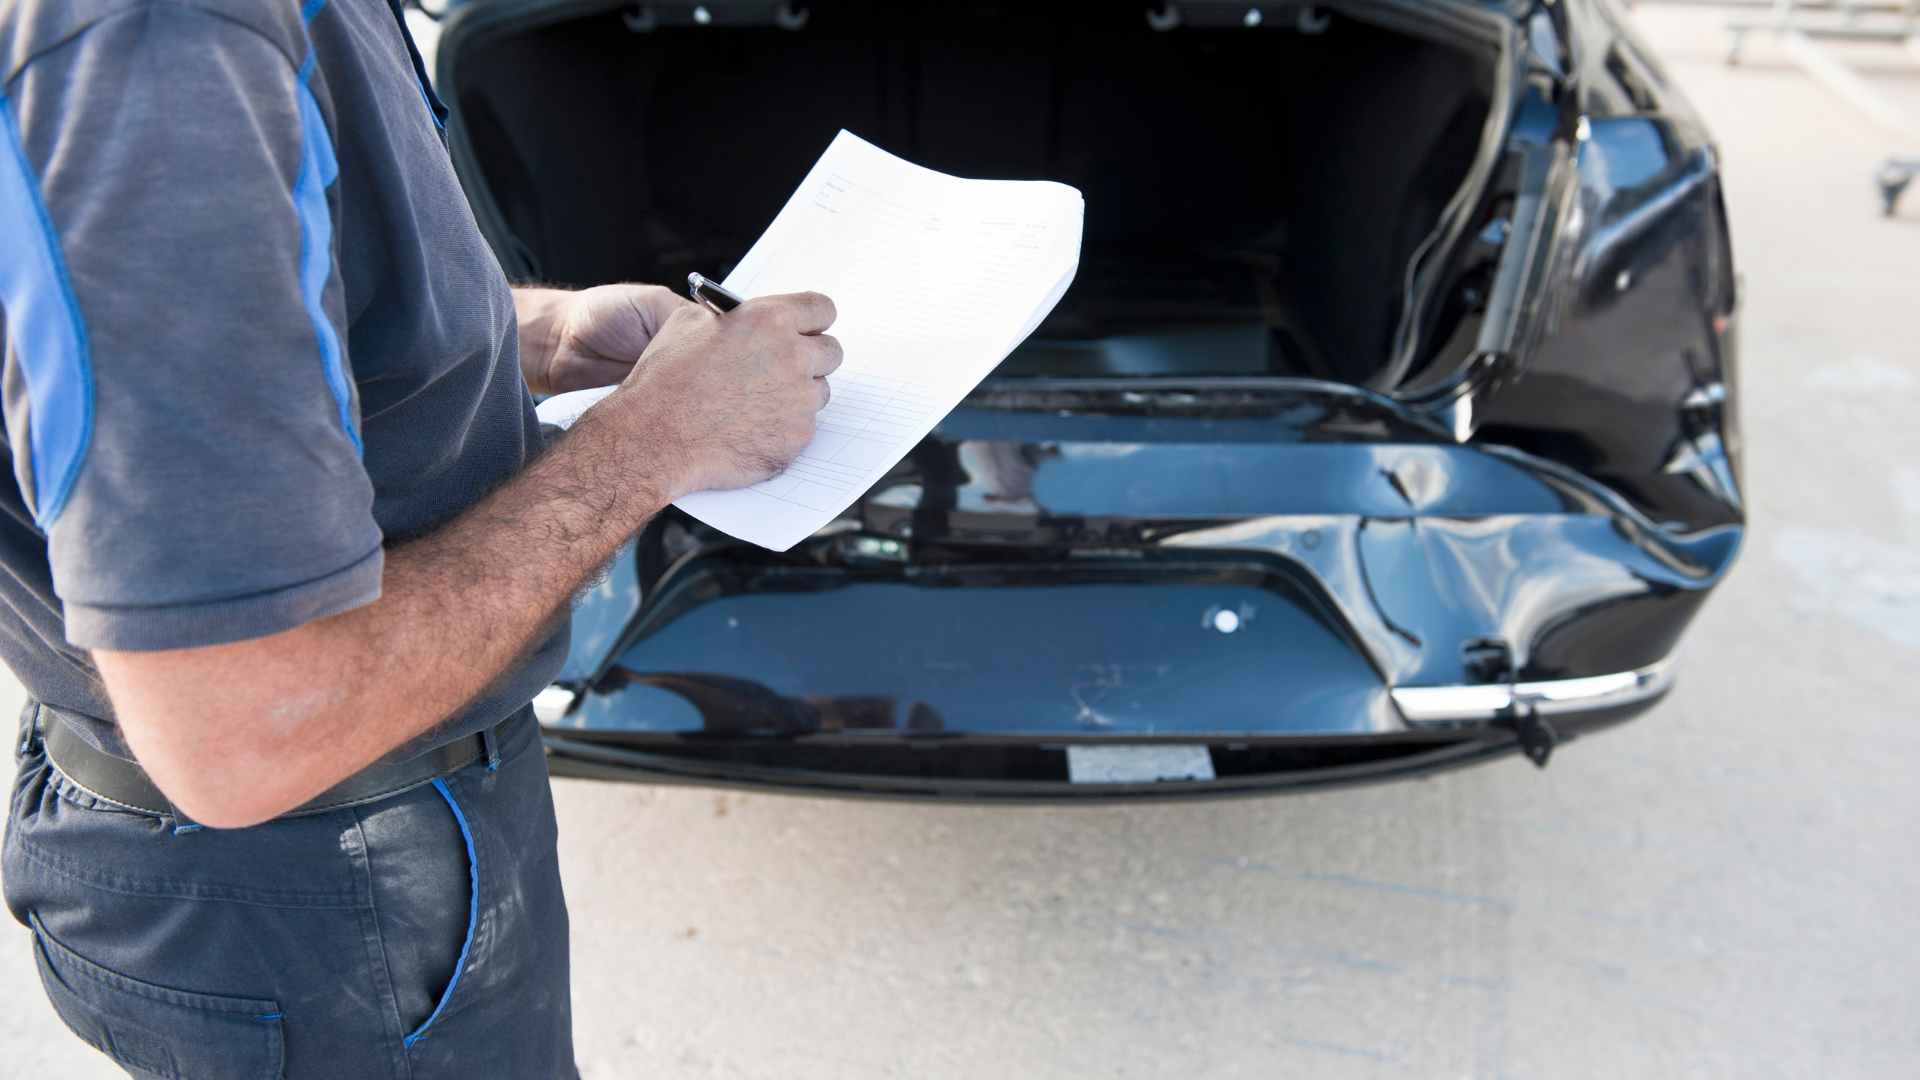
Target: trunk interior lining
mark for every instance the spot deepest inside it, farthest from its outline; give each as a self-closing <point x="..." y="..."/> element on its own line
<point x="1259" y="191"/>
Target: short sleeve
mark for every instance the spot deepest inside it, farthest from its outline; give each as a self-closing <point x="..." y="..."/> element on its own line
<point x="179" y="400"/>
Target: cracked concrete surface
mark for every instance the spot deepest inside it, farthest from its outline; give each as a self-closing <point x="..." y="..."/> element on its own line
<point x="1723" y="888"/>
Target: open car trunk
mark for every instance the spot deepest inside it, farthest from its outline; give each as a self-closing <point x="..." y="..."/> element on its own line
<point x="1231" y="495"/>
<point x="1256" y="185"/>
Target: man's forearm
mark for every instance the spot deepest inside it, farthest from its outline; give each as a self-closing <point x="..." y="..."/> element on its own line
<point x="458" y="606"/>
<point x="239" y="733"/>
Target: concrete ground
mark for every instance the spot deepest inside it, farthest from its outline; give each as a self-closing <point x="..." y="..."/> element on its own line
<point x="1724" y="888"/>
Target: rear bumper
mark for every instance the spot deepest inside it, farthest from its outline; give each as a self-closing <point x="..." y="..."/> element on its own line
<point x="1446" y="727"/>
<point x="1298" y="647"/>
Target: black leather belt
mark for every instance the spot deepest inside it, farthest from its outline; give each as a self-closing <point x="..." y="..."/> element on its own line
<point x="118" y="780"/>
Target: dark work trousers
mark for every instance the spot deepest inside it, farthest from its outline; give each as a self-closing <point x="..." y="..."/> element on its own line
<point x="423" y="935"/>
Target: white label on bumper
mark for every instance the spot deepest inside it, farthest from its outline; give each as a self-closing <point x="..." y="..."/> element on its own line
<point x="1138" y="764"/>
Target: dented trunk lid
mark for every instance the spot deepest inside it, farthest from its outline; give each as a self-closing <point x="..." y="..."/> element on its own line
<point x="1252" y="564"/>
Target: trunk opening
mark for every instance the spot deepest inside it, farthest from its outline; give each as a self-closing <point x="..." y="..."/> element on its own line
<point x="1255" y="194"/>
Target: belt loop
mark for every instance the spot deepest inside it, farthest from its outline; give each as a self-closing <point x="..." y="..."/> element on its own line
<point x="182" y="824"/>
<point x="29" y="730"/>
<point x="490" y="746"/>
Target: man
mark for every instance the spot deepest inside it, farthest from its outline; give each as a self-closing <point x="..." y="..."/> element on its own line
<point x="280" y="536"/>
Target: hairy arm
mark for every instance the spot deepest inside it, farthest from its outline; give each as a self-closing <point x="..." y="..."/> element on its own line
<point x="294" y="713"/>
<point x="238" y="733"/>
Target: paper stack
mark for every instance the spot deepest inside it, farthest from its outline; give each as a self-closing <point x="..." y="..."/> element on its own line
<point x="936" y="279"/>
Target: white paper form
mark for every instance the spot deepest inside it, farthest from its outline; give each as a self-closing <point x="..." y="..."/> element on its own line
<point x="935" y="278"/>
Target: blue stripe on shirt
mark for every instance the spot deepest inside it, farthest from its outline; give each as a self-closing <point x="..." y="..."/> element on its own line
<point x="318" y="170"/>
<point x="44" y="329"/>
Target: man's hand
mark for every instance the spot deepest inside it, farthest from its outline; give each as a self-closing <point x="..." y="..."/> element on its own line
<point x="578" y="340"/>
<point x="742" y="388"/>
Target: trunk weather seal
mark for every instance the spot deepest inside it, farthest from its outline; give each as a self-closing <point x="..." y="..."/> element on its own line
<point x="1428" y="263"/>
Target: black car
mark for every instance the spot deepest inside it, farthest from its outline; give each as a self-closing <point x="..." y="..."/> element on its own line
<point x="1388" y="425"/>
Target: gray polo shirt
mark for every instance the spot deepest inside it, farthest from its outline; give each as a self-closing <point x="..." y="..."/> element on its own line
<point x="251" y="332"/>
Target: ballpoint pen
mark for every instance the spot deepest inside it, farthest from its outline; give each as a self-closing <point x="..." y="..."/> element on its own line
<point x="705" y="290"/>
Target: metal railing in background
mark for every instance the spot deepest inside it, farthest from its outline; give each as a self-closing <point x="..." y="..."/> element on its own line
<point x="1843" y="20"/>
<point x="1800" y="24"/>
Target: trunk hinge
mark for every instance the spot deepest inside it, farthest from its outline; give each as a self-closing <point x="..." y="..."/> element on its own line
<point x="1491" y="660"/>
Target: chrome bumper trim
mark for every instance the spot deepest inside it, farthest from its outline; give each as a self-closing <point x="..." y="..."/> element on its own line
<point x="1553" y="697"/>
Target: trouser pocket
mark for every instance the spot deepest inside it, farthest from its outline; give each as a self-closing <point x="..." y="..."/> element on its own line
<point x="159" y="1031"/>
<point x="424" y="880"/>
<point x="472" y="914"/>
